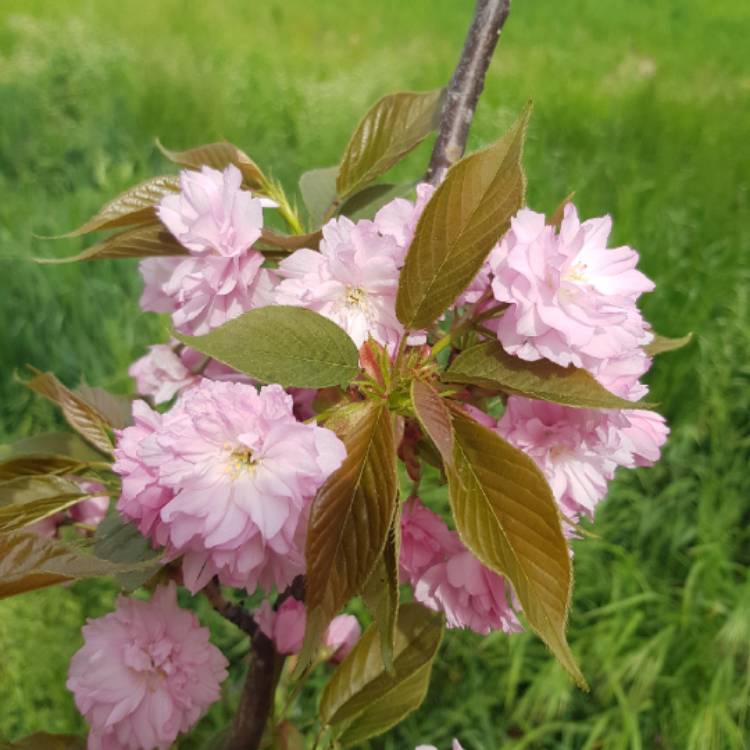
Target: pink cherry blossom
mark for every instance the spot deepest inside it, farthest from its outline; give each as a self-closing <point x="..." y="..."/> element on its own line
<point x="341" y="636"/>
<point x="448" y="578"/>
<point x="145" y="673"/>
<point x="90" y="512"/>
<point x="285" y="627"/>
<point x="168" y="369"/>
<point x="425" y="540"/>
<point x="161" y="374"/>
<point x="233" y="474"/>
<point x="352" y="280"/>
<point x="142" y="497"/>
<point x="578" y="450"/>
<point x="398" y="218"/>
<point x="217" y="222"/>
<point x="571" y="299"/>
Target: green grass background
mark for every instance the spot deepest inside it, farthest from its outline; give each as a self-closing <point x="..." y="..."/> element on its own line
<point x="642" y="108"/>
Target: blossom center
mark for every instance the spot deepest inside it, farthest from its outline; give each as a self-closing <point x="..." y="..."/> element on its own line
<point x="241" y="462"/>
<point x="355" y="296"/>
<point x="576" y="273"/>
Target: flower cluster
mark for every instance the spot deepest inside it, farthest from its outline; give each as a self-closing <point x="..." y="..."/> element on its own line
<point x="448" y="578"/>
<point x="145" y="673"/>
<point x="570" y="299"/>
<point x="217" y="223"/>
<point x="224" y="480"/>
<point x="578" y="450"/>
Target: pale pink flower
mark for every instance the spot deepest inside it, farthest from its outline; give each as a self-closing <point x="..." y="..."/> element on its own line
<point x="341" y="636"/>
<point x="145" y="673"/>
<point x="238" y="473"/>
<point x="141" y="497"/>
<point x="425" y="540"/>
<point x="578" y="450"/>
<point x="285" y="626"/>
<point x="212" y="214"/>
<point x="645" y="434"/>
<point x="90" y="512"/>
<point x="399" y="217"/>
<point x="571" y="299"/>
<point x="168" y="369"/>
<point x="161" y="374"/>
<point x="352" y="281"/>
<point x="217" y="222"/>
<point x="448" y="578"/>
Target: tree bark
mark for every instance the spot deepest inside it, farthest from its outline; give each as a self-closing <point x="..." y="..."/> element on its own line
<point x="257" y="695"/>
<point x="466" y="86"/>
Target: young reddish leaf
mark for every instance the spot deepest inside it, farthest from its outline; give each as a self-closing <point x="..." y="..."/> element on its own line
<point x="289" y="242"/>
<point x="84" y="418"/>
<point x="55" y="444"/>
<point x="381" y="592"/>
<point x="662" y="344"/>
<point x="488" y="365"/>
<point x="146" y="241"/>
<point x="114" y="407"/>
<point x="34" y="464"/>
<point x="391" y="128"/>
<point x="29" y="561"/>
<point x="349" y="519"/>
<point x="465" y="217"/>
<point x="292" y="346"/>
<point x="555" y="220"/>
<point x="28" y="499"/>
<point x="219" y="156"/>
<point x="506" y="514"/>
<point x="318" y="189"/>
<point x="361" y="684"/>
<point x="135" y="206"/>
<point x="434" y="417"/>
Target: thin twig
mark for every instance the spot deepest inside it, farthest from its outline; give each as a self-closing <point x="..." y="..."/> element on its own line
<point x="466" y="85"/>
<point x="235" y="613"/>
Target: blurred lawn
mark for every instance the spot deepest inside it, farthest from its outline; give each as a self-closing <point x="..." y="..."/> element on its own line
<point x="642" y="108"/>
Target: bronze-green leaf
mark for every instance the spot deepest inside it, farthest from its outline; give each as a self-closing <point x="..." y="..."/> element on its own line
<point x="114" y="407"/>
<point x="434" y="417"/>
<point x="292" y="346"/>
<point x="488" y="365"/>
<point x="361" y="684"/>
<point x="83" y="417"/>
<point x="661" y="344"/>
<point x="135" y="206"/>
<point x="145" y="241"/>
<point x="61" y="444"/>
<point x="465" y="217"/>
<point x="381" y="592"/>
<point x="121" y="542"/>
<point x="391" y="128"/>
<point x="350" y="518"/>
<point x="506" y="514"/>
<point x="219" y="156"/>
<point x="29" y="561"/>
<point x="34" y="464"/>
<point x="28" y="499"/>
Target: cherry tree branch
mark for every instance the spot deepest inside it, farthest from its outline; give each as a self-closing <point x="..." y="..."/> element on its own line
<point x="264" y="669"/>
<point x="466" y="86"/>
